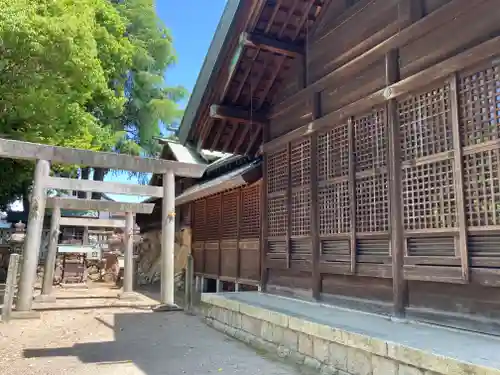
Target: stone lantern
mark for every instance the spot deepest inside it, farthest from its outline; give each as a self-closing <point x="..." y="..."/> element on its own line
<point x="16" y="240"/>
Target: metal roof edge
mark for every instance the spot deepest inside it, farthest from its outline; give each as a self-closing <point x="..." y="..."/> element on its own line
<point x="207" y="70"/>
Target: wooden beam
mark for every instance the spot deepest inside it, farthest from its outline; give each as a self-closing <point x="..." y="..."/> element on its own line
<point x="33" y="151"/>
<point x="270" y="82"/>
<point x="444" y="14"/>
<point x="86" y="222"/>
<point x="103" y="187"/>
<point x="458" y="175"/>
<point x="99" y="205"/>
<point x="216" y="139"/>
<point x="399" y="284"/>
<point x="257" y="40"/>
<point x="417" y="81"/>
<point x="236" y="114"/>
<point x="315" y="242"/>
<point x="352" y="193"/>
<point x="253" y="139"/>
<point x="264" y="217"/>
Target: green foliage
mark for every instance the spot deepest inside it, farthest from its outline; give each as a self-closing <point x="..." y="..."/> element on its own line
<point x="82" y="73"/>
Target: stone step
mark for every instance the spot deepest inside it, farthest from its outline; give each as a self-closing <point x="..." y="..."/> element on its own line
<point x="341" y="341"/>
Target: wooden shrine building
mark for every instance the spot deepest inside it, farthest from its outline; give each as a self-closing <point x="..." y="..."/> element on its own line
<point x="378" y="122"/>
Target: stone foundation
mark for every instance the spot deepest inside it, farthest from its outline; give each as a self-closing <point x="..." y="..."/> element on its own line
<point x="149" y="252"/>
<point x="329" y="350"/>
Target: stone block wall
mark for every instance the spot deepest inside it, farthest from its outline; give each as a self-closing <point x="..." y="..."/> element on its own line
<point x="327" y="349"/>
<point x="149" y="255"/>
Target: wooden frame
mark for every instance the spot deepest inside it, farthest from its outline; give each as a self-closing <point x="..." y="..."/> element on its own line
<point x="99" y="205"/>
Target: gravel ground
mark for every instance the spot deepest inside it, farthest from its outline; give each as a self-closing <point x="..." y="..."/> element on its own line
<point x="126" y="341"/>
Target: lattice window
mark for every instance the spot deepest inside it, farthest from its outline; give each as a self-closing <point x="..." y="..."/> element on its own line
<point x="277" y="171"/>
<point x="371" y="140"/>
<point x="301" y="217"/>
<point x="250" y="212"/>
<point x="213" y="217"/>
<point x="334" y="209"/>
<point x="333" y="153"/>
<point x="300" y="162"/>
<point x="230" y="214"/>
<point x="479" y="96"/>
<point x="277" y="216"/>
<point x="482" y="188"/>
<point x="372" y="204"/>
<point x="429" y="196"/>
<point x="199" y="220"/>
<point x="425" y="122"/>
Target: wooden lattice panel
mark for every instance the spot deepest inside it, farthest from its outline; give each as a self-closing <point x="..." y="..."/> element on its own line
<point x="425" y="123"/>
<point x="301" y="217"/>
<point x="277" y="171"/>
<point x="277" y="216"/>
<point x="230" y="214"/>
<point x="479" y="96"/>
<point x="213" y="217"/>
<point x="371" y="140"/>
<point x="334" y="209"/>
<point x="199" y="220"/>
<point x="482" y="188"/>
<point x="372" y="204"/>
<point x="300" y="162"/>
<point x="250" y="212"/>
<point x="429" y="196"/>
<point x="333" y="153"/>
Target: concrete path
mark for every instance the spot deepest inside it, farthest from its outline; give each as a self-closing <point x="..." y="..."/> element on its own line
<point x="126" y="341"/>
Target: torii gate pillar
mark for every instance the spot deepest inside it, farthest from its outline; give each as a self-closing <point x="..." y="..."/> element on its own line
<point x="168" y="242"/>
<point x="33" y="238"/>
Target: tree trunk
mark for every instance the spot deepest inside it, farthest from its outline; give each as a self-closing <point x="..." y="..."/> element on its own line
<point x="85" y="176"/>
<point x="99" y="174"/>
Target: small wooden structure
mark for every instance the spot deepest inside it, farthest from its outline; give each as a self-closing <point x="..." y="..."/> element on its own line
<point x="378" y="123"/>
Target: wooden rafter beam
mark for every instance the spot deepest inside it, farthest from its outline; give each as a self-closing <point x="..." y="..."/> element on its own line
<point x="237" y="114"/>
<point x="266" y="43"/>
<point x="253" y="139"/>
<point x="218" y="135"/>
<point x="281" y="60"/>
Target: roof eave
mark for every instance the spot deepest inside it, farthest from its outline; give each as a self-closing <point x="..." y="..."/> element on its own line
<point x="212" y="61"/>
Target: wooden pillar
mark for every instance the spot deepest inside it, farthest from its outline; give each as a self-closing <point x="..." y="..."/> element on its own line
<point x="352" y="193"/>
<point x="238" y="229"/>
<point x="128" y="272"/>
<point x="50" y="260"/>
<point x="264" y="272"/>
<point x="399" y="284"/>
<point x="168" y="241"/>
<point x="314" y="212"/>
<point x="458" y="176"/>
<point x="33" y="237"/>
<point x="289" y="207"/>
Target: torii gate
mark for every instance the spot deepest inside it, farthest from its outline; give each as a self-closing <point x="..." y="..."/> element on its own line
<point x="91" y="204"/>
<point x="44" y="154"/>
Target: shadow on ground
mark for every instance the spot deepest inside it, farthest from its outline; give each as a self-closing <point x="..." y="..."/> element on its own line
<point x="166" y="343"/>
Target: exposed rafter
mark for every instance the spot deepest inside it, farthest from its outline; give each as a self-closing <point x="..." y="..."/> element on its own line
<point x="266" y="43"/>
<point x="237" y="114"/>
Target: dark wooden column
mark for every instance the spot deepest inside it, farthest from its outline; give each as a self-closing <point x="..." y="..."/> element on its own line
<point x="399" y="284"/>
<point x="352" y="192"/>
<point x="314" y="212"/>
<point x="238" y="224"/>
<point x="462" y="250"/>
<point x="263" y="214"/>
<point x="289" y="207"/>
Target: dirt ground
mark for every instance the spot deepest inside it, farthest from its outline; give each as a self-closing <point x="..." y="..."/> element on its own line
<point x="123" y="340"/>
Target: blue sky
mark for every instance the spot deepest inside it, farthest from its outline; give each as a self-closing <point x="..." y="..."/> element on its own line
<point x="192" y="24"/>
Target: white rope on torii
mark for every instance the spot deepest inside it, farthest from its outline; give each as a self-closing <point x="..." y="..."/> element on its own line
<point x="44" y="154"/>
